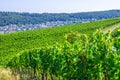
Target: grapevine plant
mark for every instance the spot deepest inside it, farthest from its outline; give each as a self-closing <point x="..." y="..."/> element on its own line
<point x="81" y="57"/>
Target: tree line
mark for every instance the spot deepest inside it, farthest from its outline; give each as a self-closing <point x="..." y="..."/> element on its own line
<point x="7" y="18"/>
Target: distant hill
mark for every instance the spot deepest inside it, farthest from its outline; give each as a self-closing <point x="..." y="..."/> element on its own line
<point x="13" y="43"/>
<point x="7" y="18"/>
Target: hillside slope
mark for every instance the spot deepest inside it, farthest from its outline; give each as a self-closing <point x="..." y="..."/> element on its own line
<point x="14" y="43"/>
<point x="111" y="28"/>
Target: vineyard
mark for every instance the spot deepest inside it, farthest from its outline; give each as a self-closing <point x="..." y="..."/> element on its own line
<point x="11" y="44"/>
<point x="70" y="52"/>
<point x="80" y="57"/>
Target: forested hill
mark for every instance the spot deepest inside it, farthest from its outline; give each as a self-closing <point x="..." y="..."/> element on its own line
<point x="7" y="18"/>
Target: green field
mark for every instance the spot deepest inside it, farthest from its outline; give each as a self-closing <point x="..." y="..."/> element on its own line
<point x="11" y="44"/>
<point x="79" y="57"/>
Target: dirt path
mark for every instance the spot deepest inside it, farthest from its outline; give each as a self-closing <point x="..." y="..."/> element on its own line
<point x="113" y="27"/>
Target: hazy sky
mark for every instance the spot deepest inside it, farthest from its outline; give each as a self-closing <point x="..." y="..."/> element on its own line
<point x="58" y="6"/>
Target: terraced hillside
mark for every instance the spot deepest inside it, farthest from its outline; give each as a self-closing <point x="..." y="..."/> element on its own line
<point x="11" y="44"/>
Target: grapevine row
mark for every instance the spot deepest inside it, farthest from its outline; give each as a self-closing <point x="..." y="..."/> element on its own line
<point x="81" y="57"/>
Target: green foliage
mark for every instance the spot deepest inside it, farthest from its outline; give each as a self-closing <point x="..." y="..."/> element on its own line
<point x="89" y="57"/>
<point x="116" y="36"/>
<point x="7" y="18"/>
<point x="11" y="44"/>
<point x="116" y="32"/>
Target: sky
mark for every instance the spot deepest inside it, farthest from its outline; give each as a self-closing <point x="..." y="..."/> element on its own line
<point x="58" y="6"/>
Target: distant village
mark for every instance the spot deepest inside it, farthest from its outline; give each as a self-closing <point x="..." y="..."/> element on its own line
<point x="15" y="28"/>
